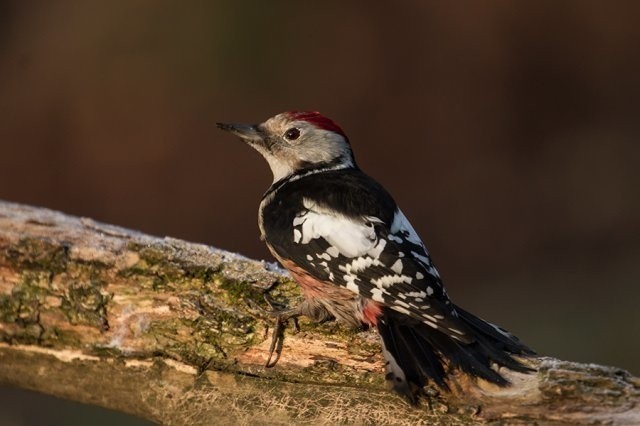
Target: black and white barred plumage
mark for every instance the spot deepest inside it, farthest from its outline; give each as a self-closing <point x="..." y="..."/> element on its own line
<point x="359" y="260"/>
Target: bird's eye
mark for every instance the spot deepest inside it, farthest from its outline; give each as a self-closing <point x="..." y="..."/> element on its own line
<point x="292" y="134"/>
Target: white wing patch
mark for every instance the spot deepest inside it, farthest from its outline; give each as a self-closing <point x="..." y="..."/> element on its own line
<point x="345" y="236"/>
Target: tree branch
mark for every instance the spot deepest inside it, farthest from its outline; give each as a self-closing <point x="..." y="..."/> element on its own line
<point x="161" y="328"/>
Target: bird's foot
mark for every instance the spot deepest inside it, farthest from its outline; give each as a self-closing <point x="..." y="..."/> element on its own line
<point x="282" y="316"/>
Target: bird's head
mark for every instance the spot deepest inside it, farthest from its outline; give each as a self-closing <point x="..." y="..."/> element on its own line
<point x="295" y="141"/>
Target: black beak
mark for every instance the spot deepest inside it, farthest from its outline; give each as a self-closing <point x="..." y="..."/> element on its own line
<point x="247" y="132"/>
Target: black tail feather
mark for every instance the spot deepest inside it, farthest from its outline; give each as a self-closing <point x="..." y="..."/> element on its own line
<point x="400" y="373"/>
<point x="432" y="366"/>
<point x="468" y="358"/>
<point x="497" y="343"/>
<point x="417" y="353"/>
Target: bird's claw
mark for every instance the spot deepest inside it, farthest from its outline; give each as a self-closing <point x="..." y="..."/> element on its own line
<point x="282" y="317"/>
<point x="277" y="336"/>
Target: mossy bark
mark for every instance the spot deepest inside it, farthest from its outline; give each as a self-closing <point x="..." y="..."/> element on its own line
<point x="161" y="328"/>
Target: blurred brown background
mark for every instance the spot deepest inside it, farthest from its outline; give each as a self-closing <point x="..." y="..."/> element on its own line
<point x="507" y="131"/>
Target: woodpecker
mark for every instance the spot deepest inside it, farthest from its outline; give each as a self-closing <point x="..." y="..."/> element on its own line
<point x="358" y="260"/>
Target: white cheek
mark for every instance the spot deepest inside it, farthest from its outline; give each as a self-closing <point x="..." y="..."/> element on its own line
<point x="279" y="167"/>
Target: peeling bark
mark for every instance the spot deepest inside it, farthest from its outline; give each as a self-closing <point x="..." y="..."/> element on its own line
<point x="161" y="328"/>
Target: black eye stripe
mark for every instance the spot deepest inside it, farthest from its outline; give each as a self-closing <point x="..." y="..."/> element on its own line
<point x="292" y="134"/>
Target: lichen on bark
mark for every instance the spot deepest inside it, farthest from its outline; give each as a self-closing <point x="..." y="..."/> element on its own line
<point x="161" y="328"/>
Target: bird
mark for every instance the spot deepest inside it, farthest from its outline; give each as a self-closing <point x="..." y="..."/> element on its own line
<point x="358" y="259"/>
